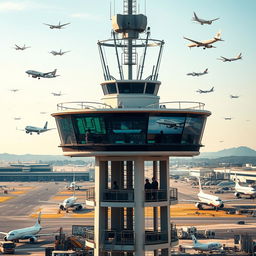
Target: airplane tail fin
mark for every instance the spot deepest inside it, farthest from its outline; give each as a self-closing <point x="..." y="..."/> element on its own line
<point x="194" y="239"/>
<point x="45" y="126"/>
<point x="218" y="36"/>
<point x="38" y="221"/>
<point x="206" y="71"/>
<point x="54" y="72"/>
<point x="239" y="56"/>
<point x="212" y="89"/>
<point x="195" y="17"/>
<point x="199" y="183"/>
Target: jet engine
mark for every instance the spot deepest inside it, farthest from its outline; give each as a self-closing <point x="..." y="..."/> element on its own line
<point x="79" y="207"/>
<point x="62" y="207"/>
<point x="238" y="195"/>
<point x="221" y="206"/>
<point x="33" y="239"/>
<point x="5" y="238"/>
<point x="199" y="206"/>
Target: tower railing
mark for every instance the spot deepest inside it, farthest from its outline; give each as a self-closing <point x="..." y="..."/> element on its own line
<point x="177" y="105"/>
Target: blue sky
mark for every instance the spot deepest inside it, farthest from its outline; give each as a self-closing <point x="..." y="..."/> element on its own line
<point x="81" y="74"/>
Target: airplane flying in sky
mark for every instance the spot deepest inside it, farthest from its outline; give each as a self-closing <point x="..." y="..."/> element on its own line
<point x="169" y="123"/>
<point x="244" y="190"/>
<point x="30" y="233"/>
<point x="36" y="74"/>
<point x="17" y="118"/>
<point x="60" y="52"/>
<point x="207" y="199"/>
<point x="21" y="48"/>
<point x="228" y="118"/>
<point x="58" y="26"/>
<point x="43" y="112"/>
<point x="234" y="96"/>
<point x="205" y="44"/>
<point x="205" y="91"/>
<point x="38" y="130"/>
<point x="198" y="73"/>
<point x="224" y="59"/>
<point x="202" y="21"/>
<point x="213" y="246"/>
<point x="57" y="93"/>
<point x="14" y="90"/>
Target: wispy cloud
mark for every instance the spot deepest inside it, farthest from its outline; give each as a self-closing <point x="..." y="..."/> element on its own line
<point x="86" y="16"/>
<point x="12" y="6"/>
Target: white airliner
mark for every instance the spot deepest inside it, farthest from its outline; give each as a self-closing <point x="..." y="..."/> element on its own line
<point x="206" y="91"/>
<point x="198" y="73"/>
<point x="170" y="123"/>
<point x="60" y="52"/>
<point x="30" y="233"/>
<point x="228" y="118"/>
<point x="38" y="130"/>
<point x="14" y="90"/>
<point x="21" y="48"/>
<point x="37" y="74"/>
<point x="224" y="59"/>
<point x="243" y="190"/>
<point x="202" y="21"/>
<point x="207" y="199"/>
<point x="234" y="96"/>
<point x="213" y="246"/>
<point x="67" y="203"/>
<point x="58" y="26"/>
<point x="205" y="44"/>
<point x="73" y="185"/>
<point x="57" y="93"/>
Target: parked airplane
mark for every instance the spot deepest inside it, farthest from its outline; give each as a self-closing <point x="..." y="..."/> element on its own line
<point x="224" y="59"/>
<point x="170" y="123"/>
<point x="213" y="246"/>
<point x="57" y="93"/>
<point x="30" y="233"/>
<point x="38" y="130"/>
<point x="198" y="74"/>
<point x="22" y="48"/>
<point x="205" y="44"/>
<point x="207" y="199"/>
<point x="60" y="52"/>
<point x="234" y="96"/>
<point x="68" y="203"/>
<point x="58" y="26"/>
<point x="73" y="185"/>
<point x="243" y="190"/>
<point x="36" y="74"/>
<point x="206" y="91"/>
<point x="202" y="21"/>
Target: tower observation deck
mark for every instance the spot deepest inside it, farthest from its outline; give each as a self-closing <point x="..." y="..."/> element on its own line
<point x="131" y="134"/>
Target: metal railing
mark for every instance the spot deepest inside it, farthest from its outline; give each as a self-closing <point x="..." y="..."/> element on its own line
<point x="78" y="105"/>
<point x="155" y="237"/>
<point x="155" y="195"/>
<point x="112" y="237"/>
<point x="90" y="194"/>
<point x="120" y="195"/>
<point x="173" y="233"/>
<point x="89" y="235"/>
<point x="173" y="194"/>
<point x="178" y="105"/>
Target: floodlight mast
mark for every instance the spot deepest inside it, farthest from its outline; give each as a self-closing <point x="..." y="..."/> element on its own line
<point x="127" y="43"/>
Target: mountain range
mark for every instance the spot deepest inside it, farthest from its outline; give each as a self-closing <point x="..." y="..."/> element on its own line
<point x="239" y="151"/>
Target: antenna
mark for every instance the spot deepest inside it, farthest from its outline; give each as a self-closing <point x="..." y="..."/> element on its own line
<point x="110" y="11"/>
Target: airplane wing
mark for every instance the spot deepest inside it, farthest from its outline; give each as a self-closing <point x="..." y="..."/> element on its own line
<point x="49" y="202"/>
<point x="224" y="58"/>
<point x="50" y="129"/>
<point x="50" y="234"/>
<point x="231" y="200"/>
<point x="17" y="46"/>
<point x="64" y="24"/>
<point x="20" y="129"/>
<point x="193" y="41"/>
<point x="47" y="24"/>
<point x="214" y="19"/>
<point x="3" y="233"/>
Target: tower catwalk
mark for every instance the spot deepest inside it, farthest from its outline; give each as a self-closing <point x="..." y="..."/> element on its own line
<point x="131" y="134"/>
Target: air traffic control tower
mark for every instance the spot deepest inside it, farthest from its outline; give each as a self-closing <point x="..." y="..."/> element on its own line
<point x="132" y="135"/>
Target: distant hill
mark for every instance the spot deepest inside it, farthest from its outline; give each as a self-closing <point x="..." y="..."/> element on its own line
<point x="239" y="151"/>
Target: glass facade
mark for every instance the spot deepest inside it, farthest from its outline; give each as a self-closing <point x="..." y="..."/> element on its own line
<point x="131" y="129"/>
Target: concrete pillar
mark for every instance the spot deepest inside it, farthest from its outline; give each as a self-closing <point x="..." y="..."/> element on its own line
<point x="139" y="206"/>
<point x="99" y="212"/>
<point x="129" y="182"/>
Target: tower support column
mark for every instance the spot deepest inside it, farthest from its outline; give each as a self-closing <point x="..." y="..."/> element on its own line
<point x="139" y="228"/>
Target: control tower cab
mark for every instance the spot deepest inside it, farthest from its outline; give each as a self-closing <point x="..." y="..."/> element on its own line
<point x="131" y="134"/>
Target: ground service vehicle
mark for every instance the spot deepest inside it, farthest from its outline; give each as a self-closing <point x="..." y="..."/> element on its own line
<point x="7" y="247"/>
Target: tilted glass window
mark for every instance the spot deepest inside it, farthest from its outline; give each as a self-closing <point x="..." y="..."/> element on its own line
<point x="131" y="87"/>
<point x="111" y="88"/>
<point x="193" y="130"/>
<point x="66" y="131"/>
<point x="150" y="89"/>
